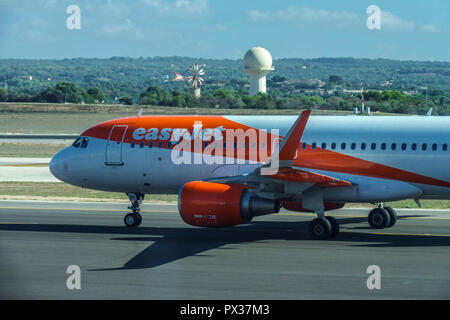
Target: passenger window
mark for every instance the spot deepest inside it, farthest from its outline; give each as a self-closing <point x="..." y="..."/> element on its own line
<point x="205" y="144"/>
<point x="77" y="142"/>
<point x="304" y="145"/>
<point x="434" y="147"/>
<point x="333" y="145"/>
<point x="414" y="146"/>
<point x="141" y="144"/>
<point x="403" y="146"/>
<point x="132" y="144"/>
<point x="424" y="147"/>
<point x="169" y="144"/>
<point x="373" y="146"/>
<point x="444" y="147"/>
<point x="353" y="146"/>
<point x="253" y="145"/>
<point x="343" y="145"/>
<point x="393" y="146"/>
<point x="324" y="145"/>
<point x="314" y="145"/>
<point x="383" y="146"/>
<point x="159" y="144"/>
<point x="150" y="145"/>
<point x="363" y="146"/>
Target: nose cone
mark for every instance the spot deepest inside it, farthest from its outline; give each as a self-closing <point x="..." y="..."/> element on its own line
<point x="56" y="165"/>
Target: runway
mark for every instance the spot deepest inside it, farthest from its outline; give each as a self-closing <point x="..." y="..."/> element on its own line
<point x="26" y="170"/>
<point x="271" y="258"/>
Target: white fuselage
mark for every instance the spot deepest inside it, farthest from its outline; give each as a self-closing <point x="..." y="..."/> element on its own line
<point x="410" y="159"/>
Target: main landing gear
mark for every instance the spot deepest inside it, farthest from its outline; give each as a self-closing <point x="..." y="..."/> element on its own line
<point x="323" y="228"/>
<point x="134" y="219"/>
<point x="326" y="227"/>
<point x="382" y="217"/>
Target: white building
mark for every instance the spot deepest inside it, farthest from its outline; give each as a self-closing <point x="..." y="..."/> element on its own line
<point x="257" y="64"/>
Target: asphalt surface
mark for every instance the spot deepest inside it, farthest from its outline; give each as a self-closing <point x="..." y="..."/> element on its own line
<point x="271" y="258"/>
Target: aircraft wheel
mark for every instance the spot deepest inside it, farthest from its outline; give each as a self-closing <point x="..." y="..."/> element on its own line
<point x="392" y="216"/>
<point x="320" y="229"/>
<point x="379" y="218"/>
<point x="334" y="226"/>
<point x="132" y="219"/>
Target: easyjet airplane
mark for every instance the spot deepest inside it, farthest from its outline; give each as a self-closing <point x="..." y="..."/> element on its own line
<point x="229" y="169"/>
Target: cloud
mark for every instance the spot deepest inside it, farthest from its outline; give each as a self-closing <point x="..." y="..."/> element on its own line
<point x="305" y="15"/>
<point x="33" y="29"/>
<point x="390" y="21"/>
<point x="184" y="8"/>
<point x="127" y="27"/>
<point x="429" y="28"/>
<point x="218" y="27"/>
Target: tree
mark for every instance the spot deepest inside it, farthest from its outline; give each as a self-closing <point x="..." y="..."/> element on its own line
<point x="3" y="95"/>
<point x="155" y="95"/>
<point x="279" y="78"/>
<point x="335" y="79"/>
<point x="63" y="92"/>
<point x="96" y="95"/>
<point x="126" y="100"/>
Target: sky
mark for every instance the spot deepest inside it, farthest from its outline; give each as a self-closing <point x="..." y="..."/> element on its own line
<point x="219" y="29"/>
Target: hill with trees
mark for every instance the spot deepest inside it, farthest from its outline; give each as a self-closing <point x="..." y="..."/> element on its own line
<point x="323" y="83"/>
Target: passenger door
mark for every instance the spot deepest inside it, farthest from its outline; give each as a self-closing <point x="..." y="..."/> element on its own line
<point x="114" y="145"/>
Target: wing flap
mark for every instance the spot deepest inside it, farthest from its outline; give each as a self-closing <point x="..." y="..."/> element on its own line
<point x="301" y="176"/>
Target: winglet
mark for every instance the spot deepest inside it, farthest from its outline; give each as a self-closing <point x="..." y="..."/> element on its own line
<point x="290" y="143"/>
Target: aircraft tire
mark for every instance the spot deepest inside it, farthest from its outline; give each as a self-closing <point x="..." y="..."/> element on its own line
<point x="379" y="218"/>
<point x="132" y="219"/>
<point x="334" y="226"/>
<point x="320" y="229"/>
<point x="392" y="216"/>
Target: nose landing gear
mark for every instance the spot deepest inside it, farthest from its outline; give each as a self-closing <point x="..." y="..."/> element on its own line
<point x="134" y="219"/>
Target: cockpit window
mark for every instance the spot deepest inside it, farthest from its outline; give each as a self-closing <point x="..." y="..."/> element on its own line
<point x="84" y="142"/>
<point x="77" y="142"/>
<point x="81" y="142"/>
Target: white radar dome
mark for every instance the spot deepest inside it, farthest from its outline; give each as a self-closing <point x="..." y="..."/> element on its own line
<point x="258" y="58"/>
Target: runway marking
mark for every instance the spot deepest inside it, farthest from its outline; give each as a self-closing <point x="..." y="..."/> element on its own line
<point x="87" y="209"/>
<point x="25" y="165"/>
<point x="165" y="211"/>
<point x="412" y="234"/>
<point x="15" y="223"/>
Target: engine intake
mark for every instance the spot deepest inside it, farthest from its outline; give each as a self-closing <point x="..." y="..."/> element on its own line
<point x="209" y="204"/>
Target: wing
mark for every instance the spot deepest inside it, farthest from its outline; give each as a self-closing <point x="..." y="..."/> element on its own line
<point x="277" y="179"/>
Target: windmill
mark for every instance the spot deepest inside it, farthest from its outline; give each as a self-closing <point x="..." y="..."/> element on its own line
<point x="194" y="79"/>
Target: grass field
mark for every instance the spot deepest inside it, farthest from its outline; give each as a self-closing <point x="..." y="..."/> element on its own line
<point x="63" y="191"/>
<point x="75" y="118"/>
<point x="29" y="150"/>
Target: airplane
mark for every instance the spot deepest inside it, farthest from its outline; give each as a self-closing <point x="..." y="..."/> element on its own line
<point x="229" y="169"/>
